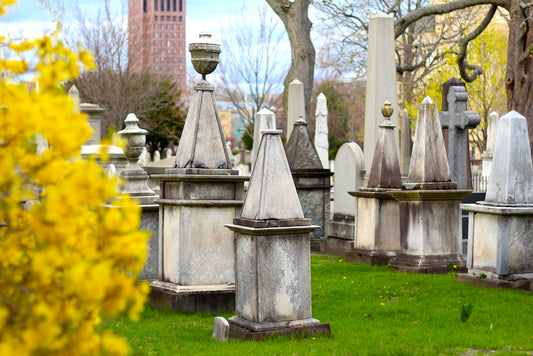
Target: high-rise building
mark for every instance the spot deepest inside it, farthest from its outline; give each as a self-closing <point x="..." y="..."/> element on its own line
<point x="156" y="30"/>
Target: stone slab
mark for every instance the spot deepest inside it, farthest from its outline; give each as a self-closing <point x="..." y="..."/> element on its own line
<point x="192" y="299"/>
<point x="239" y="332"/>
<point x="523" y="284"/>
<point x="150" y="222"/>
<point x="341" y="228"/>
<point x="437" y="264"/>
<point x="335" y="246"/>
<point x="369" y="257"/>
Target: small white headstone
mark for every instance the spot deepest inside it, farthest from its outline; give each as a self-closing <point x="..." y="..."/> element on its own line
<point x="321" y="130"/>
<point x="220" y="329"/>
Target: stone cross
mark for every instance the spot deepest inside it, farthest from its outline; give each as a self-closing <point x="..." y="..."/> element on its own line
<point x="458" y="120"/>
<point x="321" y="130"/>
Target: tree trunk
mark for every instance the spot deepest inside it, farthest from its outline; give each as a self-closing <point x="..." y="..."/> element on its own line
<point x="519" y="81"/>
<point x="294" y="15"/>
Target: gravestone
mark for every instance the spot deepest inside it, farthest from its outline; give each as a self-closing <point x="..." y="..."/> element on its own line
<point x="405" y="143"/>
<point x="458" y="120"/>
<point x="381" y="79"/>
<point x="430" y="219"/>
<point x="500" y="245"/>
<point x="296" y="105"/>
<point x="272" y="253"/>
<point x="264" y="120"/>
<point x="198" y="196"/>
<point x="349" y="177"/>
<point x="486" y="156"/>
<point x="135" y="184"/>
<point x="321" y="130"/>
<point x="311" y="180"/>
<point x="377" y="237"/>
<point x="220" y="329"/>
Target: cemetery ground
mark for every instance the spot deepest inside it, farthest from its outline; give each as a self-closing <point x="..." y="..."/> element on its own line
<point x="372" y="310"/>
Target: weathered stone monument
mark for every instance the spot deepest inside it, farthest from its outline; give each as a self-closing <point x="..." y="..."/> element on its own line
<point x="135" y="184"/>
<point x="500" y="244"/>
<point x="430" y="219"/>
<point x="311" y="180"/>
<point x="264" y="120"/>
<point x="349" y="177"/>
<point x="405" y="143"/>
<point x="321" y="130"/>
<point x="296" y="105"/>
<point x="198" y="196"/>
<point x="377" y="236"/>
<point x="381" y="79"/>
<point x="486" y="156"/>
<point x="272" y="253"/>
<point x="458" y="120"/>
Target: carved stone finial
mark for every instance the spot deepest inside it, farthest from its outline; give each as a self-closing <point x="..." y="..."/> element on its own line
<point x="387" y="110"/>
<point x="204" y="54"/>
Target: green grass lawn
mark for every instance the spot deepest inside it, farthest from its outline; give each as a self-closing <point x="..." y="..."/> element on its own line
<point x="372" y="310"/>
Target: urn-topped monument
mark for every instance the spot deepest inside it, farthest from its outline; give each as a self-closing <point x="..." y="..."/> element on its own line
<point x="199" y="195"/>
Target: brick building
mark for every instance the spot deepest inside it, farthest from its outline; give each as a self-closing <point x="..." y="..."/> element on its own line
<point x="156" y="30"/>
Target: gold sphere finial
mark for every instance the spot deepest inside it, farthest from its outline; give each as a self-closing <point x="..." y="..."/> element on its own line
<point x="387" y="109"/>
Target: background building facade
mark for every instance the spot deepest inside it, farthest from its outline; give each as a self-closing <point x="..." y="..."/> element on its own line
<point x="156" y="30"/>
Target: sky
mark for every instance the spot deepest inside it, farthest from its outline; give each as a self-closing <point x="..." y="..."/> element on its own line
<point x="30" y="17"/>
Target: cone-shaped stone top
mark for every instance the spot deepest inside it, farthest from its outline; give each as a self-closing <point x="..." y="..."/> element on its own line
<point x="301" y="152"/>
<point x="428" y="159"/>
<point x="202" y="143"/>
<point x="385" y="171"/>
<point x="511" y="175"/>
<point x="271" y="193"/>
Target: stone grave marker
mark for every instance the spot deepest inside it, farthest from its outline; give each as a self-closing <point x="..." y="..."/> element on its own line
<point x="349" y="177"/>
<point x="321" y="130"/>
<point x="296" y="105"/>
<point x="430" y="219"/>
<point x="500" y="245"/>
<point x="272" y="253"/>
<point x="198" y="196"/>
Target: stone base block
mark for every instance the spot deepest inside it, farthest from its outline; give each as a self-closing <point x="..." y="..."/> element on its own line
<point x="335" y="246"/>
<point x="433" y="264"/>
<point x="341" y="228"/>
<point x="369" y="257"/>
<point x="315" y="244"/>
<point x="192" y="299"/>
<point x="240" y="328"/>
<point x="524" y="284"/>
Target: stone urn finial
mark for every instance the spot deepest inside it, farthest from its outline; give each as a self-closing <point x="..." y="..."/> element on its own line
<point x="135" y="141"/>
<point x="387" y="110"/>
<point x="204" y="54"/>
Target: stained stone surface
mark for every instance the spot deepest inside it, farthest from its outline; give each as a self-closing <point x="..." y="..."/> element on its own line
<point x="150" y="222"/>
<point x="405" y="143"/>
<point x="301" y="152"/>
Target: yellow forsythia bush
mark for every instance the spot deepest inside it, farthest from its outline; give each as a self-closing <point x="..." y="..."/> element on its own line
<point x="72" y="257"/>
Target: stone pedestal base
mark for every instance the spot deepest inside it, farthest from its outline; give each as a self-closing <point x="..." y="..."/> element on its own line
<point x="150" y="222"/>
<point x="339" y="236"/>
<point x="245" y="329"/>
<point x="369" y="257"/>
<point x="524" y="284"/>
<point x="192" y="299"/>
<point x="429" y="264"/>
